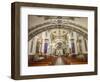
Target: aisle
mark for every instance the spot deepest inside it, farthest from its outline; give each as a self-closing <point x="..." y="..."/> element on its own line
<point x="59" y="61"/>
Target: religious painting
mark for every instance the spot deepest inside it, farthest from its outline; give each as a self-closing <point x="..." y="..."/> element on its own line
<point x="57" y="40"/>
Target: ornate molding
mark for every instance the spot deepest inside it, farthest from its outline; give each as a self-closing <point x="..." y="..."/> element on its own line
<point x="30" y="36"/>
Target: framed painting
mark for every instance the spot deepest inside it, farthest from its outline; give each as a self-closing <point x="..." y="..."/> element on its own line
<point x="51" y="40"/>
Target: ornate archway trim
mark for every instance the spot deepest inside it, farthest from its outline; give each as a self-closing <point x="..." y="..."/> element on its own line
<point x="49" y="22"/>
<point x="31" y="35"/>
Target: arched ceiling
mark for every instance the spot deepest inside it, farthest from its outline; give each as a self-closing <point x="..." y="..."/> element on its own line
<point x="37" y="20"/>
<point x="53" y="23"/>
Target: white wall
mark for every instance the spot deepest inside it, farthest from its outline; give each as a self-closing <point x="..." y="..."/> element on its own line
<point x="5" y="40"/>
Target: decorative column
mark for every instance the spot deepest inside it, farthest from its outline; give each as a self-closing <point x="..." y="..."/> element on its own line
<point x="46" y="46"/>
<point x="72" y="43"/>
<point x="34" y="45"/>
<point x="49" y="44"/>
<point x="72" y="46"/>
<point x="37" y="46"/>
<point x="85" y="42"/>
<point x="80" y="47"/>
<point x="75" y="42"/>
<point x="31" y="48"/>
<point x="40" y="47"/>
<point x="69" y="41"/>
<point x="83" y="45"/>
<point x="43" y="41"/>
<point x="67" y="47"/>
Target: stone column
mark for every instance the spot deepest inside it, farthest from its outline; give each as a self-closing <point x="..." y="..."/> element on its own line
<point x="75" y="42"/>
<point x="72" y="46"/>
<point x="72" y="43"/>
<point x="34" y="46"/>
<point x="46" y="46"/>
<point x="83" y="46"/>
<point x="85" y="42"/>
<point x="29" y="47"/>
<point x="43" y="41"/>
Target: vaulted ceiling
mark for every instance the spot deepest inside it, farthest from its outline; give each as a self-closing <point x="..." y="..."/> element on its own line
<point x="38" y="24"/>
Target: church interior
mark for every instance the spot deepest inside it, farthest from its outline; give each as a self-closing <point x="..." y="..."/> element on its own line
<point x="57" y="40"/>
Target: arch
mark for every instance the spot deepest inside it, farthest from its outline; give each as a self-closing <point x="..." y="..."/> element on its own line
<point x="53" y="25"/>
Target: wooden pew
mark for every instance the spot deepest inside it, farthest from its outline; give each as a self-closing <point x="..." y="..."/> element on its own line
<point x="48" y="60"/>
<point x="73" y="60"/>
